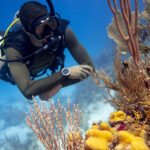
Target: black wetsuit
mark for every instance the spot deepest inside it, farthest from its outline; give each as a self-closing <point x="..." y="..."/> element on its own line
<point x="21" y="45"/>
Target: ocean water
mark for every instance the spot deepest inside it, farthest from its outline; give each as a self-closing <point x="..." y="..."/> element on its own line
<point x="89" y="20"/>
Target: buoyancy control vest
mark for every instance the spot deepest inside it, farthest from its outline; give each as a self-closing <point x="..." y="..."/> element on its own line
<point x="58" y="54"/>
<point x="53" y="58"/>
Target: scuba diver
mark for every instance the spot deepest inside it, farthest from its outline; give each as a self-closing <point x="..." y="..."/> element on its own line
<point x="38" y="47"/>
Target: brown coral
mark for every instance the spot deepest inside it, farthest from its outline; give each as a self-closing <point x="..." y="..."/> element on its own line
<point x="48" y="126"/>
<point x="132" y="77"/>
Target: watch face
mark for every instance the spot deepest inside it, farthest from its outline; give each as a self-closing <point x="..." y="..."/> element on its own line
<point x="65" y="72"/>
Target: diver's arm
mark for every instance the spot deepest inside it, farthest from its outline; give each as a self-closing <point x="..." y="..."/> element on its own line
<point x="78" y="52"/>
<point x="76" y="49"/>
<point x="22" y="79"/>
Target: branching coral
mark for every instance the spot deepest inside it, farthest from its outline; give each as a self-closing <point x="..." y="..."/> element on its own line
<point x="131" y="38"/>
<point x="47" y="125"/>
<point x="132" y="76"/>
<point x="145" y="16"/>
<point x="129" y="85"/>
<point x="143" y="28"/>
<point x="132" y="96"/>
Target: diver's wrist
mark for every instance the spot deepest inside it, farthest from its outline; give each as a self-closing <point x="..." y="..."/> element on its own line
<point x="65" y="72"/>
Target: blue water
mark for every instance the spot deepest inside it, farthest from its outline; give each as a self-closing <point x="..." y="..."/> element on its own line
<point x="89" y="20"/>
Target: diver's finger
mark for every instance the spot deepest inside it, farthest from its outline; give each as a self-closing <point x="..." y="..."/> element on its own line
<point x="87" y="72"/>
<point x="85" y="67"/>
<point x="83" y="75"/>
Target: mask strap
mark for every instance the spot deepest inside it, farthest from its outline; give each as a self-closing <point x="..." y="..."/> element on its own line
<point x="51" y="7"/>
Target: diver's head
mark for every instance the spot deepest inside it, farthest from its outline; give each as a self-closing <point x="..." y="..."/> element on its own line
<point x="37" y="20"/>
<point x="29" y="12"/>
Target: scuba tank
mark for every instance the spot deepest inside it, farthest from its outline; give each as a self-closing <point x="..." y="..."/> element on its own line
<point x="18" y="25"/>
<point x="1" y="48"/>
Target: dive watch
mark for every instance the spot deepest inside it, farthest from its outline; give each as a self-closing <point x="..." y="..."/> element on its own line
<point x="65" y="72"/>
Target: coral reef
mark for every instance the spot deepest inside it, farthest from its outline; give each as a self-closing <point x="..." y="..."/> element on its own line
<point x="127" y="141"/>
<point x="104" y="137"/>
<point x="131" y="36"/>
<point x="132" y="78"/>
<point x="98" y="139"/>
<point x="48" y="126"/>
<point x="129" y="125"/>
<point x="118" y="116"/>
<point x="73" y="139"/>
<point x="101" y="136"/>
<point x="121" y="21"/>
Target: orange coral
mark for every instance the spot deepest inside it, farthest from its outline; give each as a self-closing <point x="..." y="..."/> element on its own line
<point x="98" y="140"/>
<point x="117" y="117"/>
<point x="130" y="142"/>
<point x="105" y="126"/>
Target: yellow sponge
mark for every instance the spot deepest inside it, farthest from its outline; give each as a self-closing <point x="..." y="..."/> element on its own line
<point x="96" y="144"/>
<point x="105" y="126"/>
<point x="98" y="139"/>
<point x="138" y="143"/>
<point x="127" y="139"/>
<point x="117" y="116"/>
<point x="95" y="127"/>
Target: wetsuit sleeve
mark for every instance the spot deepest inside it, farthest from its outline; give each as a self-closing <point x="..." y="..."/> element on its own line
<point x="21" y="75"/>
<point x="76" y="49"/>
<point x="78" y="52"/>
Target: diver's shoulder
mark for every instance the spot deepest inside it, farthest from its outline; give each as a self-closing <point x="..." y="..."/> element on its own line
<point x="69" y="32"/>
<point x="70" y="38"/>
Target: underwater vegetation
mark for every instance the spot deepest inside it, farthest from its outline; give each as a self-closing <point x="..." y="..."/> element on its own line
<point x="132" y="76"/>
<point x="128" y="127"/>
<point x="48" y="126"/>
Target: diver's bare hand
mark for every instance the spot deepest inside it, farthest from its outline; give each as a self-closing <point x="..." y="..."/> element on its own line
<point x="48" y="94"/>
<point x="79" y="72"/>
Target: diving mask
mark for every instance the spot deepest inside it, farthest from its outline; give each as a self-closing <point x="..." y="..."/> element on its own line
<point x="45" y="26"/>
